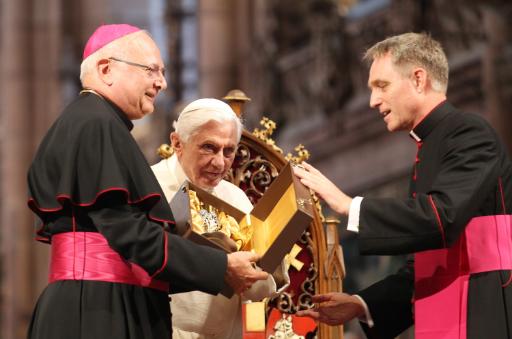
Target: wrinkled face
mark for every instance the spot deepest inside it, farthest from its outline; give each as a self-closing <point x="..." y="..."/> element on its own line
<point x="136" y="88"/>
<point x="393" y="94"/>
<point x="208" y="154"/>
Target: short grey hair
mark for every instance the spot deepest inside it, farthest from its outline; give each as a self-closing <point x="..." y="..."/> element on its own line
<point x="200" y="112"/>
<point x="119" y="48"/>
<point x="414" y="49"/>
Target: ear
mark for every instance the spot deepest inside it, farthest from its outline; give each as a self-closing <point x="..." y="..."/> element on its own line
<point x="419" y="79"/>
<point x="176" y="143"/>
<point x="105" y="71"/>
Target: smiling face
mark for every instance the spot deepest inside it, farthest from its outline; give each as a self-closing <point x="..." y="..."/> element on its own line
<point x="134" y="89"/>
<point x="208" y="154"/>
<point x="397" y="97"/>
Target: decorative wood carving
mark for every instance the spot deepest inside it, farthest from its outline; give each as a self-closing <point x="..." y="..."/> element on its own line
<point x="257" y="163"/>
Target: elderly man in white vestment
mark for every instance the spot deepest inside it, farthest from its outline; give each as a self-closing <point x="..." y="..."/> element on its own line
<point x="205" y="140"/>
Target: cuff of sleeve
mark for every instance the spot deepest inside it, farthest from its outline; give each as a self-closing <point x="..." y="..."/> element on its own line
<point x="260" y="289"/>
<point x="353" y="214"/>
<point x="367" y="319"/>
<point x="285" y="276"/>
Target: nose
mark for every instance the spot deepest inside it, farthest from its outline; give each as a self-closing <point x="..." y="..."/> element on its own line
<point x="160" y="82"/>
<point x="375" y="100"/>
<point x="218" y="160"/>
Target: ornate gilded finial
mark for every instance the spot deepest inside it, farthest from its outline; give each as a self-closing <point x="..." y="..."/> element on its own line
<point x="165" y="151"/>
<point x="302" y="154"/>
<point x="318" y="206"/>
<point x="265" y="134"/>
<point x="236" y="100"/>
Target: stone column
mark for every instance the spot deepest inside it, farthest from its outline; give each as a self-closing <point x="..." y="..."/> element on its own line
<point x="15" y="149"/>
<point x="497" y="81"/>
<point x="217" y="47"/>
<point x="29" y="95"/>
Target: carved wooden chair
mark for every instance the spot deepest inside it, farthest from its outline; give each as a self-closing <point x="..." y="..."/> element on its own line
<point x="316" y="261"/>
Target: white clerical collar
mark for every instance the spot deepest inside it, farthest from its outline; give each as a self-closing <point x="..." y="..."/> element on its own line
<point x="414" y="136"/>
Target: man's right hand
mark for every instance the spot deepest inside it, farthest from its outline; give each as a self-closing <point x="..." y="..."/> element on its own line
<point x="240" y="273"/>
<point x="325" y="188"/>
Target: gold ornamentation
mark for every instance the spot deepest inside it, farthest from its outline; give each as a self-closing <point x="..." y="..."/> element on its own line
<point x="237" y="95"/>
<point x="208" y="219"/>
<point x="284" y="303"/>
<point x="265" y="134"/>
<point x="236" y="100"/>
<point x="284" y="300"/>
<point x="318" y="206"/>
<point x="283" y="329"/>
<point x="305" y="300"/>
<point x="252" y="173"/>
<point x="308" y="285"/>
<point x="165" y="151"/>
<point x="302" y="154"/>
<point x="303" y="202"/>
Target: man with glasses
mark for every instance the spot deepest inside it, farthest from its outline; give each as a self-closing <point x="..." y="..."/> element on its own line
<point x="114" y="258"/>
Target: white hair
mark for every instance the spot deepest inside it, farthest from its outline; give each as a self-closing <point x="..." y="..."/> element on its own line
<point x="200" y="112"/>
<point x="119" y="48"/>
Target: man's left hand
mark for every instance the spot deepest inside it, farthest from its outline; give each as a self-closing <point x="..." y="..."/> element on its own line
<point x="334" y="308"/>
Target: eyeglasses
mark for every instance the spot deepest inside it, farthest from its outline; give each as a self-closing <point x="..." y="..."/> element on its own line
<point x="152" y="71"/>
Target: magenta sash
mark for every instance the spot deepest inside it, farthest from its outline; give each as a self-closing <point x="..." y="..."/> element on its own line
<point x="87" y="256"/>
<point x="442" y="276"/>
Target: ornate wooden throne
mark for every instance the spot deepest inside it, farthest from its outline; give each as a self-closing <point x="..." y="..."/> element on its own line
<point x="315" y="264"/>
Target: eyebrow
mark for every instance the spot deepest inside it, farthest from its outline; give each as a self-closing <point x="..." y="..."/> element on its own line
<point x="377" y="83"/>
<point x="155" y="65"/>
<point x="210" y="141"/>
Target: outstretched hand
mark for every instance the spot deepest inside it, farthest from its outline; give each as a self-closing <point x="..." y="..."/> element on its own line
<point x="326" y="189"/>
<point x="241" y="273"/>
<point x="334" y="308"/>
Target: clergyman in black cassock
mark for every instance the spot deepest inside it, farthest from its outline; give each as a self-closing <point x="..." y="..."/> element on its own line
<point x="114" y="257"/>
<point x="456" y="221"/>
<point x="462" y="171"/>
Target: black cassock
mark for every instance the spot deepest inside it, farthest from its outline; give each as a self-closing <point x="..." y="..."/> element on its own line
<point x="89" y="175"/>
<point x="461" y="171"/>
